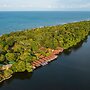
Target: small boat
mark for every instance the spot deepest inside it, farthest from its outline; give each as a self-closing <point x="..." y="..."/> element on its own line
<point x="45" y="63"/>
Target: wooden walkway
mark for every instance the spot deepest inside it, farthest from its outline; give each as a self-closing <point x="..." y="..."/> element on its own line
<point x="44" y="61"/>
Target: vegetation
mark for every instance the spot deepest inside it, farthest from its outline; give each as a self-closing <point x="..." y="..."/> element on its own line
<point x="23" y="47"/>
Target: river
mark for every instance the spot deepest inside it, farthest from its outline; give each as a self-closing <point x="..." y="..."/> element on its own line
<point x="70" y="71"/>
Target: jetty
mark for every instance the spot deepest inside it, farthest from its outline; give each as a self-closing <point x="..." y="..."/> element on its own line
<point x="45" y="60"/>
<point x="41" y="62"/>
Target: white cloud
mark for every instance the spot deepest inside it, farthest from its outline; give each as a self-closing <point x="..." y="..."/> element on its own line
<point x="26" y="6"/>
<point x="44" y="5"/>
<point x="48" y="4"/>
<point x="5" y="5"/>
<point x="87" y="5"/>
<point x="15" y="5"/>
<point x="71" y="6"/>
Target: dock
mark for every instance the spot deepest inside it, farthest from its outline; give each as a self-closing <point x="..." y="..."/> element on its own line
<point x="45" y="60"/>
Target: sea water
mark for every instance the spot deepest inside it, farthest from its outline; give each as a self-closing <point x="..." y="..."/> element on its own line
<point x="70" y="71"/>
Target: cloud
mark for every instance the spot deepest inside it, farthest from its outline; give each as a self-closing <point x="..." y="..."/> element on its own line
<point x="87" y="5"/>
<point x="73" y="5"/>
<point x="45" y="5"/>
<point x="25" y="6"/>
<point x="15" y="6"/>
<point x="5" y="5"/>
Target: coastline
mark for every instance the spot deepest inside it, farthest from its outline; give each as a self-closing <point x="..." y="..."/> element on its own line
<point x="38" y="63"/>
<point x="33" y="28"/>
<point x="6" y="78"/>
<point x="46" y="58"/>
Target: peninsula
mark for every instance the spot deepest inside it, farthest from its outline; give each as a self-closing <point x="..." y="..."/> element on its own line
<point x="29" y="49"/>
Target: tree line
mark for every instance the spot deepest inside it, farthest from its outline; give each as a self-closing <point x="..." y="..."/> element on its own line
<point x="23" y="47"/>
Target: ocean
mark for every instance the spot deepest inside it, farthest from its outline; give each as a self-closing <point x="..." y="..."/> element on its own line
<point x="13" y="21"/>
<point x="70" y="71"/>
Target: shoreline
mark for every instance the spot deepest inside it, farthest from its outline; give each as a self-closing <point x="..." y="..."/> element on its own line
<point x="38" y="51"/>
<point x="45" y="60"/>
<point x="6" y="78"/>
<point x="41" y="62"/>
<point x="38" y="27"/>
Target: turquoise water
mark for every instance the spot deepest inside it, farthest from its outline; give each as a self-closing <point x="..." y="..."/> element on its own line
<point x="12" y="21"/>
<point x="71" y="70"/>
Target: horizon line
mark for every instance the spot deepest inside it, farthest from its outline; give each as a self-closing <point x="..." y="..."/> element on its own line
<point x="44" y="11"/>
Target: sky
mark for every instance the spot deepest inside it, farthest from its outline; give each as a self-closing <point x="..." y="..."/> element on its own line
<point x="44" y="5"/>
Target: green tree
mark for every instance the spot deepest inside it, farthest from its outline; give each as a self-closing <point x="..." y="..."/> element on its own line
<point x="7" y="73"/>
<point x="2" y="58"/>
<point x="29" y="67"/>
<point x="25" y="57"/>
<point x="11" y="56"/>
<point x="19" y="66"/>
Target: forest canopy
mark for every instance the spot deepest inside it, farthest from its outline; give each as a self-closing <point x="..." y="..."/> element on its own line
<point x="21" y="48"/>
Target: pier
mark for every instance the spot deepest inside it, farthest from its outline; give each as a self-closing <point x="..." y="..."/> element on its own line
<point x="45" y="60"/>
